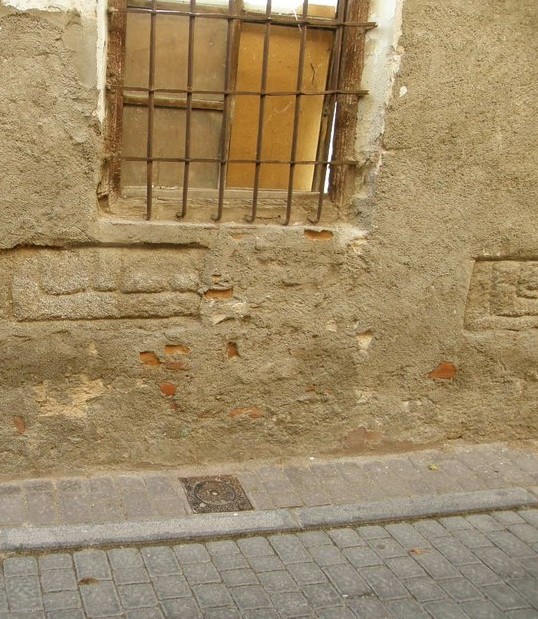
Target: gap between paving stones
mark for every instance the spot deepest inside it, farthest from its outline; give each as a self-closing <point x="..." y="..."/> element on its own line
<point x="201" y="527"/>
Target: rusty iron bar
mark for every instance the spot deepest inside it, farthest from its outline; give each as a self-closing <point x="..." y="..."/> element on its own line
<point x="334" y="78"/>
<point x="252" y="93"/>
<point x="261" y="114"/>
<point x="297" y="113"/>
<point x="224" y="137"/>
<point x="347" y="162"/>
<point x="313" y="22"/>
<point x="188" y="112"/>
<point x="151" y="108"/>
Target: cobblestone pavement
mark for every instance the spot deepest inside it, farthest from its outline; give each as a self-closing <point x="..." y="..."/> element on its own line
<point x="117" y="497"/>
<point x="481" y="566"/>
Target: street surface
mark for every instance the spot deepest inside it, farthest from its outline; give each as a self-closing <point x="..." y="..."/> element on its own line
<point x="481" y="566"/>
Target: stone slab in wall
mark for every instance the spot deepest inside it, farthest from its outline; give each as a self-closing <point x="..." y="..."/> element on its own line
<point x="503" y="294"/>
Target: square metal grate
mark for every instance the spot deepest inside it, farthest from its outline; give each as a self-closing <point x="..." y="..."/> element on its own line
<point x="221" y="493"/>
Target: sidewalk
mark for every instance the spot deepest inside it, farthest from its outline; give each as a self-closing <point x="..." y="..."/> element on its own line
<point x="115" y="508"/>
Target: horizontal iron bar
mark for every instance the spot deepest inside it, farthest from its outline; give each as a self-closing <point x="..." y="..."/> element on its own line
<point x="314" y="22"/>
<point x="250" y="93"/>
<point x="142" y="98"/>
<point x="245" y="161"/>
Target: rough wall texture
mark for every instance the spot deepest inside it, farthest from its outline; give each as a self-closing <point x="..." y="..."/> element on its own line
<point x="140" y="345"/>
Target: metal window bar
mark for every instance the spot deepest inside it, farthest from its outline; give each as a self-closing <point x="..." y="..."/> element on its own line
<point x="160" y="97"/>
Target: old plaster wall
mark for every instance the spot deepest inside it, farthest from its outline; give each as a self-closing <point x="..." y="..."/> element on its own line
<point x="416" y="321"/>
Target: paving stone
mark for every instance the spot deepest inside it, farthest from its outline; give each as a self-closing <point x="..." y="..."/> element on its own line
<point x="505" y="597"/>
<point x="66" y="614"/>
<point x="472" y="538"/>
<point x="345" y="538"/>
<point x="230" y="562"/>
<point x="41" y="508"/>
<point x="507" y="517"/>
<point x="531" y="565"/>
<point x="192" y="553"/>
<point x="291" y="604"/>
<point x="265" y="564"/>
<point x="484" y="523"/>
<point x="92" y="564"/>
<point x="525" y="532"/>
<point x="276" y="581"/>
<point x="201" y="573"/>
<point x="145" y="613"/>
<point x="160" y="560"/>
<point x="347" y="580"/>
<point x="431" y="529"/>
<point x="530" y="515"/>
<point x="361" y="556"/>
<point x="222" y="548"/>
<point x="314" y="538"/>
<point x="511" y="544"/>
<point x="436" y="565"/>
<point x="524" y="613"/>
<point x="322" y="595"/>
<point x="406" y="609"/>
<point x="484" y="609"/>
<point x="61" y="600"/>
<point x="249" y="597"/>
<point x="130" y="575"/>
<point x="161" y="486"/>
<point x="168" y="586"/>
<point x="327" y="555"/>
<point x="211" y="596"/>
<point x="369" y="607"/>
<point x="461" y="590"/>
<point x="479" y="574"/>
<point x="384" y="584"/>
<point x="12" y="510"/>
<point x="185" y="608"/>
<point x="500" y="563"/>
<point x="20" y="566"/>
<point x="125" y="558"/>
<point x="445" y="609"/>
<point x="425" y="589"/>
<point x="306" y="573"/>
<point x="405" y="567"/>
<point x="454" y="551"/>
<point x="387" y="548"/>
<point x="58" y="580"/>
<point x="528" y="588"/>
<point x="55" y="561"/>
<point x="241" y="577"/>
<point x="289" y="548"/>
<point x="407" y="535"/>
<point x="335" y="612"/>
<point x="370" y="532"/>
<point x="453" y="523"/>
<point x="100" y="599"/>
<point x="221" y="613"/>
<point x="255" y="547"/>
<point x="23" y="593"/>
<point x="137" y="596"/>
<point x="264" y="613"/>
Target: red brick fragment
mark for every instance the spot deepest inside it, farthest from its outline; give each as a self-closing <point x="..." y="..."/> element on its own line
<point x="20" y="424"/>
<point x="249" y="411"/>
<point x="318" y="235"/>
<point x="177" y="349"/>
<point x="444" y="371"/>
<point x="232" y="350"/>
<point x="149" y="358"/>
<point x="168" y="389"/>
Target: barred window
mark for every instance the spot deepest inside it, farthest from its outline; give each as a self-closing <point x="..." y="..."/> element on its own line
<point x="238" y="110"/>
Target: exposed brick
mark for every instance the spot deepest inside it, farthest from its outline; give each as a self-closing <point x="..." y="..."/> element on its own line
<point x="177" y="349"/>
<point x="20" y="424"/>
<point x="318" y="235"/>
<point x="250" y="411"/>
<point x="176" y="365"/>
<point x="232" y="350"/>
<point x="168" y="389"/>
<point x="444" y="371"/>
<point x="149" y="358"/>
<point x="219" y="294"/>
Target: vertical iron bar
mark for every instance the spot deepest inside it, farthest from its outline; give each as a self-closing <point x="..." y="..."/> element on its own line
<point x="188" y="110"/>
<point x="261" y="112"/>
<point x="224" y="137"/>
<point x="334" y="83"/>
<point x="151" y="107"/>
<point x="297" y="113"/>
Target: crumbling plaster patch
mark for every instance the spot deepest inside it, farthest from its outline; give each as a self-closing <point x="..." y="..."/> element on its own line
<point x="92" y="10"/>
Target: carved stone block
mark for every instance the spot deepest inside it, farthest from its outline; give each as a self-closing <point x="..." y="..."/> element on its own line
<point x="503" y="295"/>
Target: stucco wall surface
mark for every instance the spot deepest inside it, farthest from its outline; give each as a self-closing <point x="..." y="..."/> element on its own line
<point x="413" y="322"/>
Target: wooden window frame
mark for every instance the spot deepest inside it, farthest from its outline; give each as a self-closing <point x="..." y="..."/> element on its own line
<point x="341" y="178"/>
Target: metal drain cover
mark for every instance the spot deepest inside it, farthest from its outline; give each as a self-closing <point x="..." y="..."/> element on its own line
<point x="215" y="494"/>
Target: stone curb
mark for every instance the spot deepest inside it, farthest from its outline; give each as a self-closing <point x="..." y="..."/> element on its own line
<point x="207" y="526"/>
